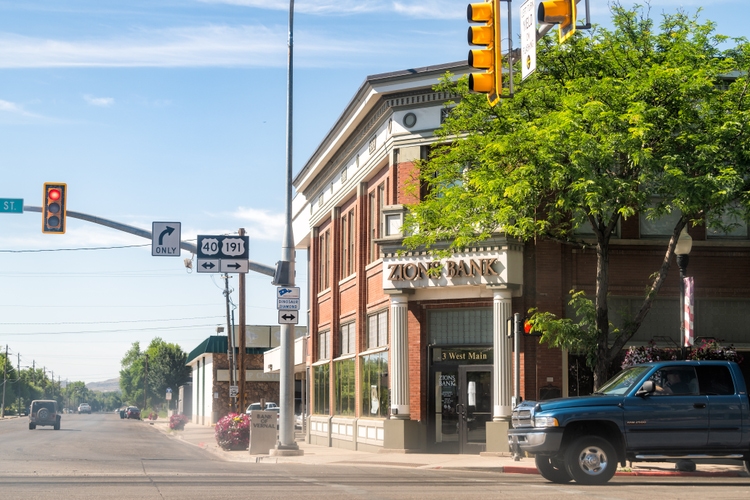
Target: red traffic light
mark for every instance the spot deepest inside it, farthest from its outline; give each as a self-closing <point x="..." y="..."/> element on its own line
<point x="527" y="326"/>
<point x="53" y="208"/>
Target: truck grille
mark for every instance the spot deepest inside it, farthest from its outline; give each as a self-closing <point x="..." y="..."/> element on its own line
<point x="521" y="417"/>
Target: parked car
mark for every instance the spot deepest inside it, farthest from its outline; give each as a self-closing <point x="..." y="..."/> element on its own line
<point x="256" y="406"/>
<point x="84" y="408"/>
<point x="133" y="412"/>
<point x="44" y="412"/>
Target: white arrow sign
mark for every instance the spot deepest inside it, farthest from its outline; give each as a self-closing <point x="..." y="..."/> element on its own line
<point x="165" y="239"/>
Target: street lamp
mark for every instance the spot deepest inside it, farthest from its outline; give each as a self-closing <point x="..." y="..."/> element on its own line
<point x="682" y="252"/>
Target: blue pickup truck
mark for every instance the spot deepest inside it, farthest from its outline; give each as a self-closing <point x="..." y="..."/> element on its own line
<point x="661" y="411"/>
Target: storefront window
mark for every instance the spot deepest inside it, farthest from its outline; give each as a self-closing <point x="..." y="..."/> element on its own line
<point x="345" y="395"/>
<point x="375" y="395"/>
<point x="321" y="391"/>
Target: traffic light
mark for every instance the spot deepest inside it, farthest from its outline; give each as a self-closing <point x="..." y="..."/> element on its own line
<point x="560" y="12"/>
<point x="489" y="58"/>
<point x="53" y="207"/>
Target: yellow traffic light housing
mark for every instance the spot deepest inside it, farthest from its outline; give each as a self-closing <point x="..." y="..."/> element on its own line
<point x="490" y="57"/>
<point x="560" y="12"/>
<point x="54" y="198"/>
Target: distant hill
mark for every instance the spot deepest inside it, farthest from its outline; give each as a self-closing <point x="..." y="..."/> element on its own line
<point x="111" y="385"/>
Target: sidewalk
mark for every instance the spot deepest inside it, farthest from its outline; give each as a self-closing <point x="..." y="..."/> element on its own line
<point x="203" y="437"/>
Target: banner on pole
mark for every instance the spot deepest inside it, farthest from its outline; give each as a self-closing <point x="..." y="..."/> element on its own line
<point x="688" y="312"/>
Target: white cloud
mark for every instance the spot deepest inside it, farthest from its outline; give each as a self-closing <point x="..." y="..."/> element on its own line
<point x="103" y="102"/>
<point x="15" y="109"/>
<point x="172" y="47"/>
<point x="320" y="7"/>
<point x="203" y="46"/>
<point x="261" y="224"/>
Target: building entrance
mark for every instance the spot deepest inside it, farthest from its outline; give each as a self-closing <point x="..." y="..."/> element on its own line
<point x="461" y="402"/>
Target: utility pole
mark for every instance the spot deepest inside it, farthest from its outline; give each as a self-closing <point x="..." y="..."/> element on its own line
<point x="5" y="381"/>
<point x="242" y="338"/>
<point x="230" y="335"/>
<point x="145" y="383"/>
<point x="18" y="374"/>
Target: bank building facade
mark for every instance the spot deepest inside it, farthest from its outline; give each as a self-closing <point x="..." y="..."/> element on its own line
<point x="409" y="352"/>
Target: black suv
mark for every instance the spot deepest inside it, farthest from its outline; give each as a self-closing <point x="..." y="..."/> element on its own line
<point x="44" y="412"/>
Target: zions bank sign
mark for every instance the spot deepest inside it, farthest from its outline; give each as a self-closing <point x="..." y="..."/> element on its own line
<point x="474" y="268"/>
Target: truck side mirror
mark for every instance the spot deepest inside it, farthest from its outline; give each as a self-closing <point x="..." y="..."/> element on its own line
<point x="646" y="389"/>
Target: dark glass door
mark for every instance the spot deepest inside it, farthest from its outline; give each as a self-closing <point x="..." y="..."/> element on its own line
<point x="474" y="407"/>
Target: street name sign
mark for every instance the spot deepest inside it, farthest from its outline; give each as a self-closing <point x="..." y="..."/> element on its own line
<point x="165" y="239"/>
<point x="11" y="205"/>
<point x="223" y="254"/>
<point x="288" y="317"/>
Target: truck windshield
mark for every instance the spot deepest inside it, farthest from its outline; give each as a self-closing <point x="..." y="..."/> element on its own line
<point x="623" y="381"/>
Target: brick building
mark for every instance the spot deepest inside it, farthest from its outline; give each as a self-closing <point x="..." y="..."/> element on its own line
<point x="406" y="355"/>
<point x="209" y="363"/>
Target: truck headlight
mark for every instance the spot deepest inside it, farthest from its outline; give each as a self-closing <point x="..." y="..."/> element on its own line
<point x="545" y="422"/>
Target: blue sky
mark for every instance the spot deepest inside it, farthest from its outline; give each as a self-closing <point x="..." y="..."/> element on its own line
<point x="174" y="110"/>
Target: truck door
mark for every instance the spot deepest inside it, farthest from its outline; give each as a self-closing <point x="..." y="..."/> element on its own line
<point x="725" y="407"/>
<point x="674" y="417"/>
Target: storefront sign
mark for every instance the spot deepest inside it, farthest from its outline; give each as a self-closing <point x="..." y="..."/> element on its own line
<point x="472" y="268"/>
<point x="462" y="355"/>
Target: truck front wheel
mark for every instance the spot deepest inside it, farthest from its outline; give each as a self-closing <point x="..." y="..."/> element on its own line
<point x="591" y="460"/>
<point x="552" y="469"/>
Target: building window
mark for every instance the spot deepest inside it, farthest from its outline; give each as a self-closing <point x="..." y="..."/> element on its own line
<point x="324" y="262"/>
<point x="376" y="201"/>
<point x="377" y="330"/>
<point x="348" y="237"/>
<point x="344" y="391"/>
<point x="375" y="395"/>
<point x="321" y="389"/>
<point x="347" y="336"/>
<point x="728" y="225"/>
<point x="324" y="343"/>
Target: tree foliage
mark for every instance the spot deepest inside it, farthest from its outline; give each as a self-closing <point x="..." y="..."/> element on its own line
<point x="152" y="371"/>
<point x="613" y="123"/>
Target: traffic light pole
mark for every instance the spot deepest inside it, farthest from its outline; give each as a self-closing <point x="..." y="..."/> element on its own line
<point x="252" y="266"/>
<point x="286" y="444"/>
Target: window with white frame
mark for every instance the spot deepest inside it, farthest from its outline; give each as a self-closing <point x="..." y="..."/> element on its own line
<point x="377" y="329"/>
<point x="347" y="336"/>
<point x="324" y="344"/>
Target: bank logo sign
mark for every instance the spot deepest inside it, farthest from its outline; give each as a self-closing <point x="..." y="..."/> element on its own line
<point x="476" y="268"/>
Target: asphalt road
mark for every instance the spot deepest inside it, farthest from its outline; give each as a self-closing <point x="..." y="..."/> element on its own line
<point x="101" y="456"/>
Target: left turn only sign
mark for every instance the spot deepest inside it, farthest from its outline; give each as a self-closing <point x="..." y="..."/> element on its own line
<point x="165" y="239"/>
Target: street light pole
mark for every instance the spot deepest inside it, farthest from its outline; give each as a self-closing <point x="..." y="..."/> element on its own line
<point x="286" y="444"/>
<point x="682" y="253"/>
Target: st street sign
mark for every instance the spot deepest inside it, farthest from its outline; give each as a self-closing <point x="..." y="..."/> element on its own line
<point x="11" y="205"/>
<point x="165" y="239"/>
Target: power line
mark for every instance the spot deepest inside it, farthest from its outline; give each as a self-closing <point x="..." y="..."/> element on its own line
<point x="78" y="249"/>
<point x="113" y="322"/>
<point x="83" y="332"/>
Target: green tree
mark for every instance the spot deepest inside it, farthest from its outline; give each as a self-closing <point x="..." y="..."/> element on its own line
<point x="167" y="368"/>
<point x="613" y="123"/>
<point x="132" y="375"/>
<point x="160" y="366"/>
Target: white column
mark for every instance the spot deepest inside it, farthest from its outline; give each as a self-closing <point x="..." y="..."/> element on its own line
<point x="502" y="355"/>
<point x="399" y="368"/>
